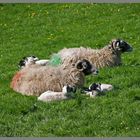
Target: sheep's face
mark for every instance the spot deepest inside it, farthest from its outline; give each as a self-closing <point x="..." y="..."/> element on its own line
<point x="95" y="86"/>
<point x="27" y="61"/>
<point x="86" y="67"/>
<point x="120" y="45"/>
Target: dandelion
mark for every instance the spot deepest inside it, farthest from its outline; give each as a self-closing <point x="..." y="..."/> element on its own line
<point x="33" y="14"/>
<point x="126" y="128"/>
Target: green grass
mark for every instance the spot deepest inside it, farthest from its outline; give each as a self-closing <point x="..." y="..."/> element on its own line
<point x="43" y="29"/>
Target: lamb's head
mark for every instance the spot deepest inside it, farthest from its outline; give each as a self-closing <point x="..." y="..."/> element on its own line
<point x="27" y="61"/>
<point x="120" y="45"/>
<point x="86" y="67"/>
<point x="95" y="86"/>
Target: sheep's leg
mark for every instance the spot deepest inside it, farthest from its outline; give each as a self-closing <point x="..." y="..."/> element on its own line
<point x="92" y="94"/>
<point x="52" y="96"/>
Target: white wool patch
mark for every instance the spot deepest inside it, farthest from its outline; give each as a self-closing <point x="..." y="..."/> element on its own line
<point x="92" y="94"/>
<point x="50" y="96"/>
<point x="42" y="62"/>
<point x="106" y="87"/>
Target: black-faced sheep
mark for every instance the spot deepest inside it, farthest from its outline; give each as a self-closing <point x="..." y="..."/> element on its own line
<point x="35" y="80"/>
<point x="110" y="55"/>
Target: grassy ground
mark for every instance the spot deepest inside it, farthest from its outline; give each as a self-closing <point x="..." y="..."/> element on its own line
<point x="42" y="29"/>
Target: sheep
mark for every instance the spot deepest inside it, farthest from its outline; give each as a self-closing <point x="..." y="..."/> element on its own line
<point x="31" y="60"/>
<point x="108" y="56"/>
<point x="96" y="89"/>
<point x="35" y="80"/>
<point x="55" y="96"/>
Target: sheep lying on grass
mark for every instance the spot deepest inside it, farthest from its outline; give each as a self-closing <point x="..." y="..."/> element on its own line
<point x="53" y="96"/>
<point x="36" y="80"/>
<point x="96" y="89"/>
<point x="31" y="60"/>
<point x="93" y="91"/>
<point x="110" y="55"/>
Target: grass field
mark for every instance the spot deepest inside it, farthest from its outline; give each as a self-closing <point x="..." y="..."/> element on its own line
<point x="43" y="29"/>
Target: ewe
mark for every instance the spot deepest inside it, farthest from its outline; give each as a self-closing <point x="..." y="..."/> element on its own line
<point x="35" y="80"/>
<point x="110" y="55"/>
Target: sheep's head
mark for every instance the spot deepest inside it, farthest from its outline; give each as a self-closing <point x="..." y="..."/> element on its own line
<point x="120" y="46"/>
<point x="86" y="67"/>
<point x="27" y="61"/>
<point x="95" y="86"/>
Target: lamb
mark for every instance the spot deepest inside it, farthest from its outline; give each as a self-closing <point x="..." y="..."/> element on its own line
<point x="56" y="96"/>
<point x="96" y="89"/>
<point x="108" y="56"/>
<point x="31" y="60"/>
<point x="35" y="80"/>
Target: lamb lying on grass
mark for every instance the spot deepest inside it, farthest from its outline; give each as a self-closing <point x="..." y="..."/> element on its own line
<point x="109" y="56"/>
<point x="53" y="96"/>
<point x="35" y="80"/>
<point x="31" y="60"/>
<point x="27" y="61"/>
<point x="96" y="89"/>
<point x="93" y="91"/>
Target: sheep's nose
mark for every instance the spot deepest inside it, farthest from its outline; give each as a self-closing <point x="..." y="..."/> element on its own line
<point x="130" y="49"/>
<point x="95" y="72"/>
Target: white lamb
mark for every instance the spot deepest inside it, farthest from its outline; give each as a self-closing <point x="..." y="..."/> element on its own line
<point x="51" y="95"/>
<point x="31" y="60"/>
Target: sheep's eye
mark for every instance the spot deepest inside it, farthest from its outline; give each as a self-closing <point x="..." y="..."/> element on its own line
<point x="73" y="65"/>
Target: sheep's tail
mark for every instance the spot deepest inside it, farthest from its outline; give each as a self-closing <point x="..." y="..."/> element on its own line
<point x="55" y="60"/>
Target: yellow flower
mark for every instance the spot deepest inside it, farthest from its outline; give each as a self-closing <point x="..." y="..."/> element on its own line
<point x="33" y="14"/>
